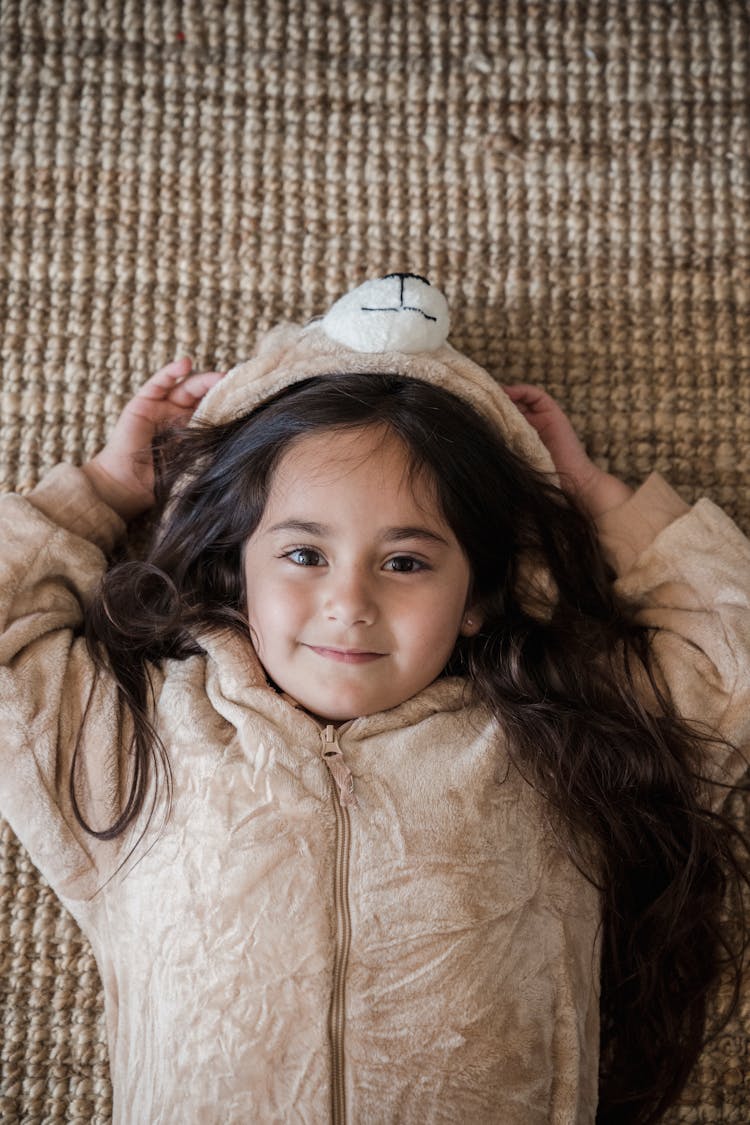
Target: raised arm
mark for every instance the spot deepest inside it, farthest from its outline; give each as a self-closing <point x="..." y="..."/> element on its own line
<point x="687" y="570"/>
<point x="53" y="551"/>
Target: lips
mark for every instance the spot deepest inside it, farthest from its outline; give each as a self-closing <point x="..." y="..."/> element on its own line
<point x="346" y="655"/>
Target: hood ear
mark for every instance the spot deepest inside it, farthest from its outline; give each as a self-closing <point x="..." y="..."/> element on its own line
<point x="409" y="316"/>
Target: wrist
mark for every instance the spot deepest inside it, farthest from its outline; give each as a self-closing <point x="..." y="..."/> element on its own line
<point x="601" y="493"/>
<point x="126" y="502"/>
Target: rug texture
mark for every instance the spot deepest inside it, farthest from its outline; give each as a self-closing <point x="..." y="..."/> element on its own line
<point x="177" y="176"/>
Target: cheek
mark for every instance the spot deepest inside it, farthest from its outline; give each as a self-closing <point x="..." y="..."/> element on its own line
<point x="275" y="609"/>
<point x="435" y="627"/>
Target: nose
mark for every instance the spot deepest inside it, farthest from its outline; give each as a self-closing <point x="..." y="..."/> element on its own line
<point x="350" y="599"/>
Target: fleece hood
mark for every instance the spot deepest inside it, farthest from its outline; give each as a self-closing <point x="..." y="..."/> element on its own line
<point x="397" y="324"/>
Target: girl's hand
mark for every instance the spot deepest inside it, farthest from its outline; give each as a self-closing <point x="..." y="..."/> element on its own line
<point x="596" y="491"/>
<point x="123" y="472"/>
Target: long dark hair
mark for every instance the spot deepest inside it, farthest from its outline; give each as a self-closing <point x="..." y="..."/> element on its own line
<point x="563" y="673"/>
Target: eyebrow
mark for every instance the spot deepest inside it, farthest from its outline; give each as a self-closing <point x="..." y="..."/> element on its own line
<point x="388" y="534"/>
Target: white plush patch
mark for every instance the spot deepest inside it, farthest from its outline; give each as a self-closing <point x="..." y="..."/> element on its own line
<point x="398" y="313"/>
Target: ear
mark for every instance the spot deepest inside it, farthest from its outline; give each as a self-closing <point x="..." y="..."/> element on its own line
<point x="471" y="622"/>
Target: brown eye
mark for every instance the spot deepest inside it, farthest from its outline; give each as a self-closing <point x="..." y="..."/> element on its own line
<point x="305" y="556"/>
<point x="405" y="564"/>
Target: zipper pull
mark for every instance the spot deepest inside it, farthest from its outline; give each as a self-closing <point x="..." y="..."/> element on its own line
<point x="340" y="772"/>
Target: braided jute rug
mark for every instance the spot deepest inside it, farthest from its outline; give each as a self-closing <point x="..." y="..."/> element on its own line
<point x="177" y="176"/>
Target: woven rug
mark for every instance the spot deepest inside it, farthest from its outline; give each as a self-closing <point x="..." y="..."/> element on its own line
<point x="177" y="176"/>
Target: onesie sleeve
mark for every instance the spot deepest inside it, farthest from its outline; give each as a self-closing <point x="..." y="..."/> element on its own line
<point x="688" y="571"/>
<point x="52" y="556"/>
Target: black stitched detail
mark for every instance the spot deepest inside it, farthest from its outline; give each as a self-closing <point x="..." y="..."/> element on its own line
<point x="404" y="308"/>
<point x="411" y="308"/>
<point x="418" y="276"/>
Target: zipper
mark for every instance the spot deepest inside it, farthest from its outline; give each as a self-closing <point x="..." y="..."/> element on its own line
<point x="343" y="799"/>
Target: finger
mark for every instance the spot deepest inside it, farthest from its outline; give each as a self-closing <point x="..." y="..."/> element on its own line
<point x="518" y="396"/>
<point x="526" y="393"/>
<point x="521" y="389"/>
<point x="189" y="392"/>
<point x="163" y="382"/>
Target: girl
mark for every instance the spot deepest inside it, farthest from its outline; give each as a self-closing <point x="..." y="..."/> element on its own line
<point x="368" y="784"/>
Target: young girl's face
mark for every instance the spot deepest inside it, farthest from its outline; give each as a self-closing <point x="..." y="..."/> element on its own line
<point x="356" y="586"/>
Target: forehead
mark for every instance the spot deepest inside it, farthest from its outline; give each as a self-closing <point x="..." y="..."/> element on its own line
<point x="369" y="460"/>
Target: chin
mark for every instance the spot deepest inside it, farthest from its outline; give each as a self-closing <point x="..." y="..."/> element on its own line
<point x="344" y="711"/>
<point x="339" y="714"/>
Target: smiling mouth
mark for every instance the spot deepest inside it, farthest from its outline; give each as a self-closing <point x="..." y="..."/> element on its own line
<point x="346" y="655"/>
